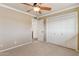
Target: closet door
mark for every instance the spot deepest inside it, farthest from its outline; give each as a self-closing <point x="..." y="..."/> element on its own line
<point x="61" y="30"/>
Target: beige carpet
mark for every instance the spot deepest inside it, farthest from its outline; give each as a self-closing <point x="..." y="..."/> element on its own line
<point x="40" y="49"/>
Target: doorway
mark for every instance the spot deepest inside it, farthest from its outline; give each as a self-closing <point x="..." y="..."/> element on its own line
<point x="39" y="29"/>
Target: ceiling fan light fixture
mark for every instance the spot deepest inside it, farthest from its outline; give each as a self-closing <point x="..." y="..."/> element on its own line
<point x="36" y="9"/>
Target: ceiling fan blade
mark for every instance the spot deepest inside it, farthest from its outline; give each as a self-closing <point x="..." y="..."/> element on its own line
<point x="27" y="4"/>
<point x="45" y="8"/>
<point x="28" y="10"/>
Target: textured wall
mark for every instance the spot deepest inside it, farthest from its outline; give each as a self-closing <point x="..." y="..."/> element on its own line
<point x="15" y="28"/>
<point x="61" y="30"/>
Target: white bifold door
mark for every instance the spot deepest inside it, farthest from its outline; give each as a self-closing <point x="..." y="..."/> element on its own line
<point x="62" y="30"/>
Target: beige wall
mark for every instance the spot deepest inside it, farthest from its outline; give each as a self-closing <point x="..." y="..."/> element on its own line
<point x="61" y="30"/>
<point x="15" y="28"/>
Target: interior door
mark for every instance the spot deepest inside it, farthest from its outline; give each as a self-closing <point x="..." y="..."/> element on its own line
<point x="34" y="29"/>
<point x="40" y="30"/>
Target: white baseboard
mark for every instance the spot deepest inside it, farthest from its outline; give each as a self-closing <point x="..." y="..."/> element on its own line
<point x="14" y="47"/>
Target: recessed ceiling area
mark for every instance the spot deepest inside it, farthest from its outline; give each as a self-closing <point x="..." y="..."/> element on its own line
<point x="54" y="7"/>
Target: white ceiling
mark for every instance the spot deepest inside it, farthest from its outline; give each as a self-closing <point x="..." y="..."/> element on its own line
<point x="54" y="6"/>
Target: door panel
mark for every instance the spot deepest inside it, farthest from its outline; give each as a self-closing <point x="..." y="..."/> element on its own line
<point x="40" y="29"/>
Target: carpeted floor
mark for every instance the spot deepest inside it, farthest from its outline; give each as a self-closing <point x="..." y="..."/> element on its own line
<point x="38" y="48"/>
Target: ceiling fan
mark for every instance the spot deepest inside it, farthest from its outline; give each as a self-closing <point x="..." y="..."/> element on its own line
<point x="37" y="7"/>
